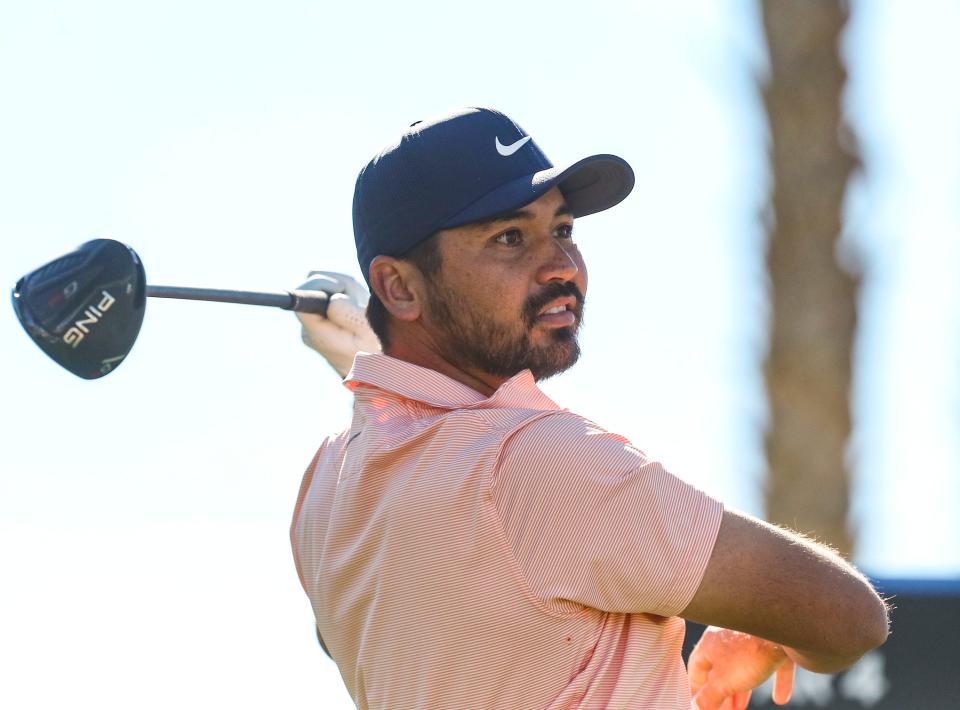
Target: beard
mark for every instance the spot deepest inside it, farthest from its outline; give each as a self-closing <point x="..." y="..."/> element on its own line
<point x="472" y="339"/>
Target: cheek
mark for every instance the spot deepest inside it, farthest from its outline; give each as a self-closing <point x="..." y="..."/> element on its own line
<point x="498" y="292"/>
<point x="482" y="294"/>
<point x="505" y="303"/>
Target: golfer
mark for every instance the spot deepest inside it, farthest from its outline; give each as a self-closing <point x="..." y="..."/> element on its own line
<point x="467" y="543"/>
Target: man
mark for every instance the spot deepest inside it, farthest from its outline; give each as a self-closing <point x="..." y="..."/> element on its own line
<point x="466" y="543"/>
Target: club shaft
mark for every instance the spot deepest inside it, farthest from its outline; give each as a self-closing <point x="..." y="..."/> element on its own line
<point x="302" y="301"/>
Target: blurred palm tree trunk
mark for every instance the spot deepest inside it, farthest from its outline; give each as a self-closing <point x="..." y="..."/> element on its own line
<point x="813" y="299"/>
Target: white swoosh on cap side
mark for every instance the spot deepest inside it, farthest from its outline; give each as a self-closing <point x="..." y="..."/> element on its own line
<point x="506" y="150"/>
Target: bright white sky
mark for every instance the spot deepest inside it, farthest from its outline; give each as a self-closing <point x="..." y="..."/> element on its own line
<point x="143" y="517"/>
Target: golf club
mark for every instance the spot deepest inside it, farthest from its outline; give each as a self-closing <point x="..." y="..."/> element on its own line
<point x="84" y="309"/>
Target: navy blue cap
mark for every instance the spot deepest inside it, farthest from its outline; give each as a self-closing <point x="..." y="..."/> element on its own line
<point x="464" y="167"/>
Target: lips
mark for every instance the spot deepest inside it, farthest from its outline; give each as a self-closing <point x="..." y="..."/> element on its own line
<point x="559" y="313"/>
<point x="559" y="304"/>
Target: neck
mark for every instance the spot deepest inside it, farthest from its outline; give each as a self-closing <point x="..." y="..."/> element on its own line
<point x="422" y="351"/>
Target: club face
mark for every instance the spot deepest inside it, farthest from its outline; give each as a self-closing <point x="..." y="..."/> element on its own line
<point x="85" y="308"/>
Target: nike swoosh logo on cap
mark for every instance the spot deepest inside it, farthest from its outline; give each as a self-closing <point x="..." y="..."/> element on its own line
<point x="506" y="150"/>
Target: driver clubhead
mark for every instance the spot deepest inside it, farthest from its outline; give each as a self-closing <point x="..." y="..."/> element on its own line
<point x="85" y="308"/>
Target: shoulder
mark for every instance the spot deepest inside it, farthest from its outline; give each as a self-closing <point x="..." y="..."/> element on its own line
<point x="564" y="441"/>
<point x="329" y="453"/>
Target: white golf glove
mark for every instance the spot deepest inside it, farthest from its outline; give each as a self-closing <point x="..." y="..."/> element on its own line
<point x="345" y="331"/>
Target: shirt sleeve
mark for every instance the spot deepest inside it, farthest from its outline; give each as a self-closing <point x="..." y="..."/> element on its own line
<point x="592" y="522"/>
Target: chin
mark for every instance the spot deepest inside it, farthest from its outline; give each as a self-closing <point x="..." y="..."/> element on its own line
<point x="559" y="356"/>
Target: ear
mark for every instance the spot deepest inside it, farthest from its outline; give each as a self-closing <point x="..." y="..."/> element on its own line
<point x="398" y="285"/>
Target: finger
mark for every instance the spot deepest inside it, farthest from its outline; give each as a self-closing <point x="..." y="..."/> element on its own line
<point x="710" y="698"/>
<point x="741" y="700"/>
<point x="321" y="283"/>
<point x="316" y="323"/>
<point x="333" y="275"/>
<point x="698" y="669"/>
<point x="355" y="290"/>
<point x="346" y="314"/>
<point x="345" y="284"/>
<point x="783" y="682"/>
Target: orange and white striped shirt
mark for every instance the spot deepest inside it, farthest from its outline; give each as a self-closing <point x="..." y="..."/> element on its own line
<point x="470" y="552"/>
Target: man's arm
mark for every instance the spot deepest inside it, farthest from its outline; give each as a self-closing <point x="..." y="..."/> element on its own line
<point x="779" y="586"/>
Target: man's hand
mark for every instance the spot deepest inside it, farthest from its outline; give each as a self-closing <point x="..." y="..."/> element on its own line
<point x="725" y="666"/>
<point x="345" y="331"/>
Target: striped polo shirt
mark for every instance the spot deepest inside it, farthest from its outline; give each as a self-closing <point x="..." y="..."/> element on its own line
<point x="471" y="552"/>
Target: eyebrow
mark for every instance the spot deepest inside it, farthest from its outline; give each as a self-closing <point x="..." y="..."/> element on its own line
<point x="562" y="210"/>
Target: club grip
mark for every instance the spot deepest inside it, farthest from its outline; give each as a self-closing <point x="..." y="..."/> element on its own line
<point x="310" y="302"/>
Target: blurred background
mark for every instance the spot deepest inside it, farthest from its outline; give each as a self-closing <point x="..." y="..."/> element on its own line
<point x="778" y="297"/>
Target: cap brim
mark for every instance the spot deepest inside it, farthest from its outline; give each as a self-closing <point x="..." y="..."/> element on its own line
<point x="589" y="185"/>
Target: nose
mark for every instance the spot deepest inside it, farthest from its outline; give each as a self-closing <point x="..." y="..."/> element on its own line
<point x="561" y="263"/>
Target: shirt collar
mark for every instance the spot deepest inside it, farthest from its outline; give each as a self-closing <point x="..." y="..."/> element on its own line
<point x="437" y="390"/>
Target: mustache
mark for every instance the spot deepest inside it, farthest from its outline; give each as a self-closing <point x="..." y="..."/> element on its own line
<point x="550" y="292"/>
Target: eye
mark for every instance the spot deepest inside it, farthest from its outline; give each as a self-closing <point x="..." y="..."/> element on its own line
<point x="564" y="231"/>
<point x="510" y="238"/>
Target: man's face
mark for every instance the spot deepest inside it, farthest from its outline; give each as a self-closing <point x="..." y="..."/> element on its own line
<point x="509" y="294"/>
